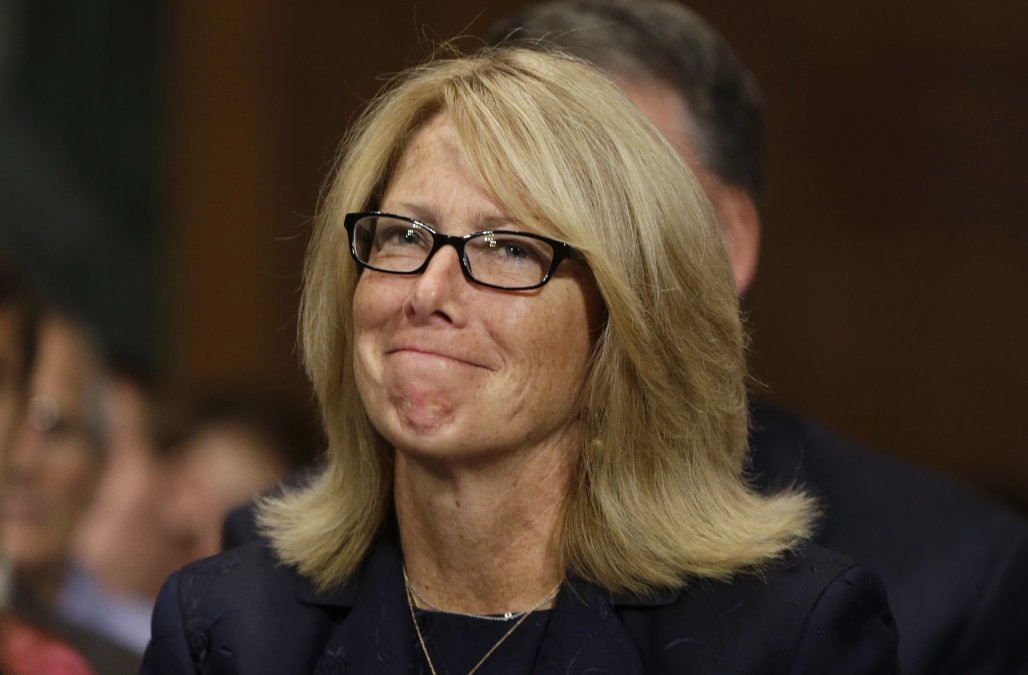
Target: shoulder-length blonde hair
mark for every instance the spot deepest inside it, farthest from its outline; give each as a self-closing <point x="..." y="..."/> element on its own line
<point x="659" y="494"/>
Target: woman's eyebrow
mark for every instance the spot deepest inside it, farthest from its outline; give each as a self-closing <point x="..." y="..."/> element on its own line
<point x="419" y="212"/>
<point x="429" y="216"/>
<point x="498" y="223"/>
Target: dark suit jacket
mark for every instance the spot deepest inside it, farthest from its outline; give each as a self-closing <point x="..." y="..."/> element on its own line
<point x="240" y="612"/>
<point x="955" y="565"/>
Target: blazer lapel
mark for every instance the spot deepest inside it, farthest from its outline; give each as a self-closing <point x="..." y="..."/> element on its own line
<point x="374" y="635"/>
<point x="585" y="636"/>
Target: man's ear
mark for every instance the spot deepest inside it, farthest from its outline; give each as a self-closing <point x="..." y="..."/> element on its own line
<point x="740" y="231"/>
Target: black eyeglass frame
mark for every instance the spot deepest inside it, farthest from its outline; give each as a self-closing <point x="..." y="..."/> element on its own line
<point x="561" y="250"/>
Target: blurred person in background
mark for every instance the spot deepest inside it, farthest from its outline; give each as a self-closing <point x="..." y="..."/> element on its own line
<point x="49" y="481"/>
<point x="229" y="447"/>
<point x="953" y="563"/>
<point x="25" y="649"/>
<point x="57" y="459"/>
<point x="124" y="543"/>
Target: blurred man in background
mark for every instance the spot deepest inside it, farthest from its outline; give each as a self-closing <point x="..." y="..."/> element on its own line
<point x="57" y="460"/>
<point x="24" y="649"/>
<point x="124" y="545"/>
<point x="49" y="480"/>
<point x="229" y="447"/>
<point x="99" y="506"/>
<point x="953" y="563"/>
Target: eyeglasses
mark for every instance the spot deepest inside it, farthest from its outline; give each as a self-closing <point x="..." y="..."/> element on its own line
<point x="513" y="261"/>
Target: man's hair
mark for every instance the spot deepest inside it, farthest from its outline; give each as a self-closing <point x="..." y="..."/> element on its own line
<point x="658" y="494"/>
<point x="18" y="296"/>
<point x="648" y="38"/>
<point x="287" y="430"/>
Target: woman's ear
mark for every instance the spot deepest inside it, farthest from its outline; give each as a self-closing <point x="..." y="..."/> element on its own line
<point x="739" y="220"/>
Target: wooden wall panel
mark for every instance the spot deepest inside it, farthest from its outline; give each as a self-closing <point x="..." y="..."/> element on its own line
<point x="892" y="293"/>
<point x="893" y="290"/>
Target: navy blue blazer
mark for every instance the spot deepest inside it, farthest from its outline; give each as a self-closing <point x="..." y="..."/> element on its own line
<point x="241" y="612"/>
<point x="954" y="563"/>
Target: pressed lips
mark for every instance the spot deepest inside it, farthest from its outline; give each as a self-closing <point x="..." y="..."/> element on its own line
<point x="424" y="350"/>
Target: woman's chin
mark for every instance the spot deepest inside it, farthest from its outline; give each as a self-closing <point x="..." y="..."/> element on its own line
<point x="425" y="423"/>
<point x="433" y="439"/>
<point x="422" y="407"/>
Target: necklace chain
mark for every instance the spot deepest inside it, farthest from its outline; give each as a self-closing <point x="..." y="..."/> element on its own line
<point x="507" y="616"/>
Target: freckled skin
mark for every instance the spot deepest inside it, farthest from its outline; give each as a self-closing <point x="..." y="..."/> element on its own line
<point x="451" y="371"/>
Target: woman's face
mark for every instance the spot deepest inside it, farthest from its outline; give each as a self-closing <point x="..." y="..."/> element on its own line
<point x="456" y="372"/>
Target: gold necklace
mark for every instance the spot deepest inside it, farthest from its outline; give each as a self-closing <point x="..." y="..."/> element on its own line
<point x="421" y="639"/>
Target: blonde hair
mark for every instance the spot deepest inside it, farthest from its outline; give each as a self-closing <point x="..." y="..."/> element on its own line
<point x="659" y="494"/>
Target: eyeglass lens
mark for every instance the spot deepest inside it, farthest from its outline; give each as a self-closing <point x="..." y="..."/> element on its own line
<point x="392" y="244"/>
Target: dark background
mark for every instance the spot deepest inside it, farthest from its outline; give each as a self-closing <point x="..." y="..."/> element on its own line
<point x="891" y="300"/>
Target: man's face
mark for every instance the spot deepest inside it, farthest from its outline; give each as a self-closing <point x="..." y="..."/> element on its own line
<point x="51" y="471"/>
<point x="736" y="214"/>
<point x="669" y="113"/>
<point x="12" y="380"/>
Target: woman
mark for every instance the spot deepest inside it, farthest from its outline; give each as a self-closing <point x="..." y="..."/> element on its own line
<point x="522" y="332"/>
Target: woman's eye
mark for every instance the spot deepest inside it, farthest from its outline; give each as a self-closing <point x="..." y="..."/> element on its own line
<point x="411" y="236"/>
<point x="401" y="236"/>
<point x="513" y="250"/>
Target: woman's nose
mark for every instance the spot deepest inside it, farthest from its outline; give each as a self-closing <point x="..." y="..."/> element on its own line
<point x="437" y="292"/>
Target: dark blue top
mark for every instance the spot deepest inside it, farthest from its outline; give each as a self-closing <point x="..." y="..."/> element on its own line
<point x="813" y="612"/>
<point x="456" y="643"/>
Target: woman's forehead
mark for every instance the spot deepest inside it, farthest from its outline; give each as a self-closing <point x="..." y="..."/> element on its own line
<point x="434" y="180"/>
<point x="436" y="140"/>
<point x="437" y="145"/>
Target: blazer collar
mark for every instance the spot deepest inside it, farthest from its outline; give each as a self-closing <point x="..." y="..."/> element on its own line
<point x="345" y="595"/>
<point x="375" y="635"/>
<point x="583" y="635"/>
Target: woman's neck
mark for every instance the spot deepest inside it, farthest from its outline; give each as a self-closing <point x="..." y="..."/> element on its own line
<point x="482" y="540"/>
